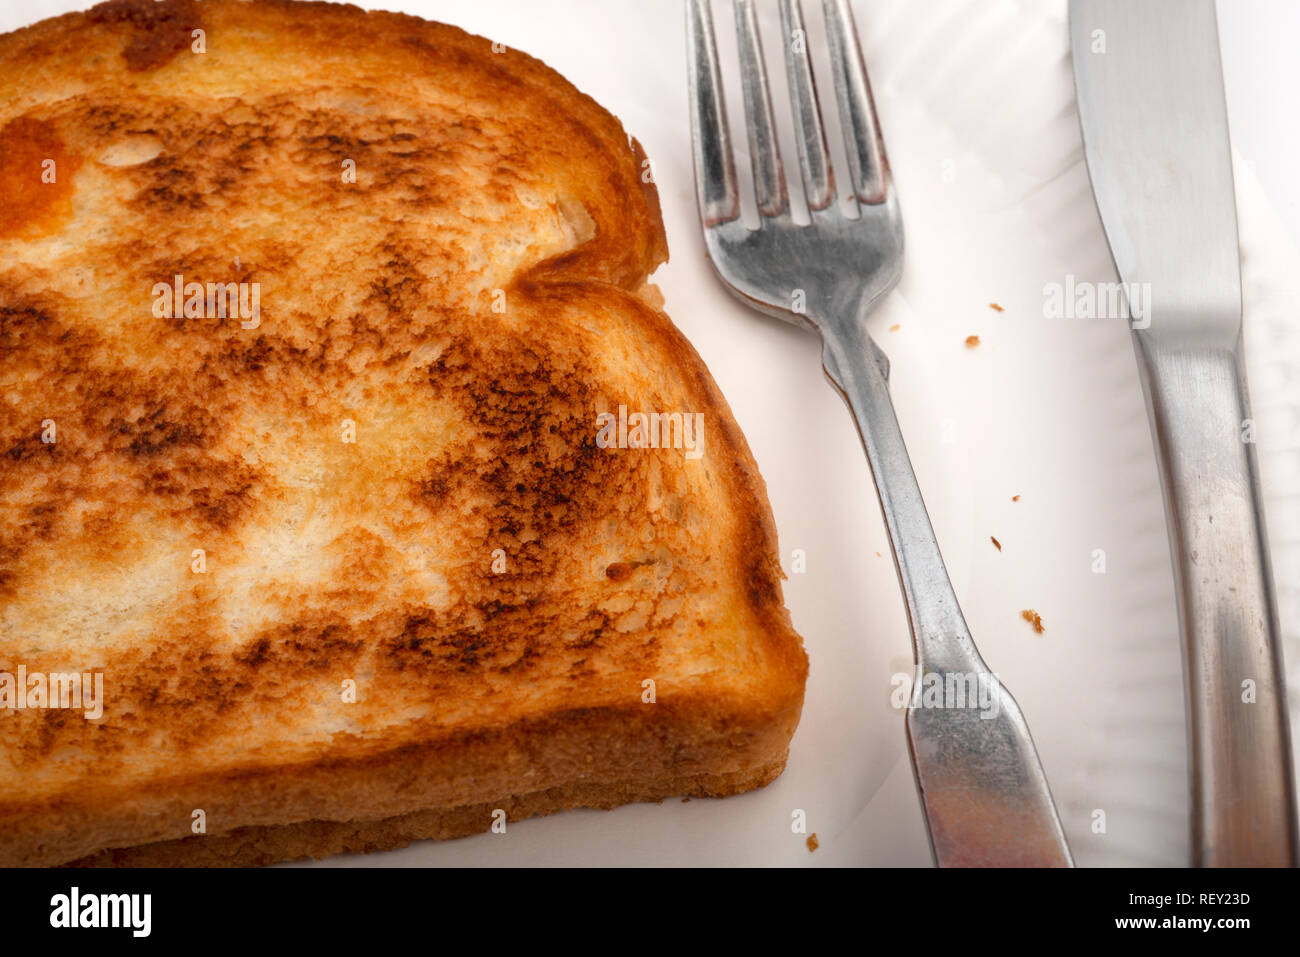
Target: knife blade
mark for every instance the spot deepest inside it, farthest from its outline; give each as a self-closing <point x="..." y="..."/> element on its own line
<point x="1156" y="143"/>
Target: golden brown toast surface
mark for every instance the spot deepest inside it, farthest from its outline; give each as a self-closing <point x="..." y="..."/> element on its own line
<point x="390" y="477"/>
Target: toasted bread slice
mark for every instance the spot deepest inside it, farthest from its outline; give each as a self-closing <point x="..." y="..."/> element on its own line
<point x="358" y="566"/>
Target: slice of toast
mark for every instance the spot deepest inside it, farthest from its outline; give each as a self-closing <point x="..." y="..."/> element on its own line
<point x="379" y="552"/>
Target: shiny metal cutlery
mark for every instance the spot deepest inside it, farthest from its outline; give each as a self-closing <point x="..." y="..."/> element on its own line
<point x="983" y="791"/>
<point x="1155" y="134"/>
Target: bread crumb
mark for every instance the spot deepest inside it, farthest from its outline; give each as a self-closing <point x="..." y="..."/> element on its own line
<point x="686" y="800"/>
<point x="972" y="341"/>
<point x="895" y="327"/>
<point x="812" y="842"/>
<point x="1015" y="498"/>
<point x="995" y="307"/>
<point x="878" y="555"/>
<point x="996" y="543"/>
<point x="1034" y="618"/>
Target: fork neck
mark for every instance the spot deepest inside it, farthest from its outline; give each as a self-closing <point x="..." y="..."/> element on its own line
<point x="860" y="370"/>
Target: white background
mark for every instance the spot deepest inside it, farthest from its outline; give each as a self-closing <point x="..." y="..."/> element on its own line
<point x="1261" y="72"/>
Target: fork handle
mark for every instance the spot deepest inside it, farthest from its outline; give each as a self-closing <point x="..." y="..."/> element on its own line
<point x="983" y="791"/>
<point x="1243" y="803"/>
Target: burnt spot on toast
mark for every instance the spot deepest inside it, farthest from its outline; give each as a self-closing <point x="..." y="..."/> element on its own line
<point x="116" y="437"/>
<point x="158" y="31"/>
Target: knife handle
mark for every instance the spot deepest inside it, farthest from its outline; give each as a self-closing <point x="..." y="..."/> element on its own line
<point x="1243" y="810"/>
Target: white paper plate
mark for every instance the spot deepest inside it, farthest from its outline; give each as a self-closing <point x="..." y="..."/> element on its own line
<point x="977" y="103"/>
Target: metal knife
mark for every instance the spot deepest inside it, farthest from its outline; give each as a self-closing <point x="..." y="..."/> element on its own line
<point x="1155" y="135"/>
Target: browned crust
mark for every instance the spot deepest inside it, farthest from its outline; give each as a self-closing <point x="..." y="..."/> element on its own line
<point x="630" y="748"/>
<point x="734" y="727"/>
<point x="259" y="846"/>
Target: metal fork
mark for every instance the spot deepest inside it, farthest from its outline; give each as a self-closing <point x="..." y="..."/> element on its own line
<point x="983" y="792"/>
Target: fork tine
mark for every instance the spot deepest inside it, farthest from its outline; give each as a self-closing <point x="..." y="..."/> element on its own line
<point x="866" y="149"/>
<point x="715" y="167"/>
<point x="765" y="155"/>
<point x="814" y="159"/>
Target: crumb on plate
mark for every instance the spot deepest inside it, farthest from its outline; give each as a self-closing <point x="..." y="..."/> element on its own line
<point x="812" y="842"/>
<point x="995" y="307"/>
<point x="1034" y="618"/>
<point x="895" y="327"/>
<point x="972" y="341"/>
<point x="996" y="543"/>
<point x="1015" y="498"/>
